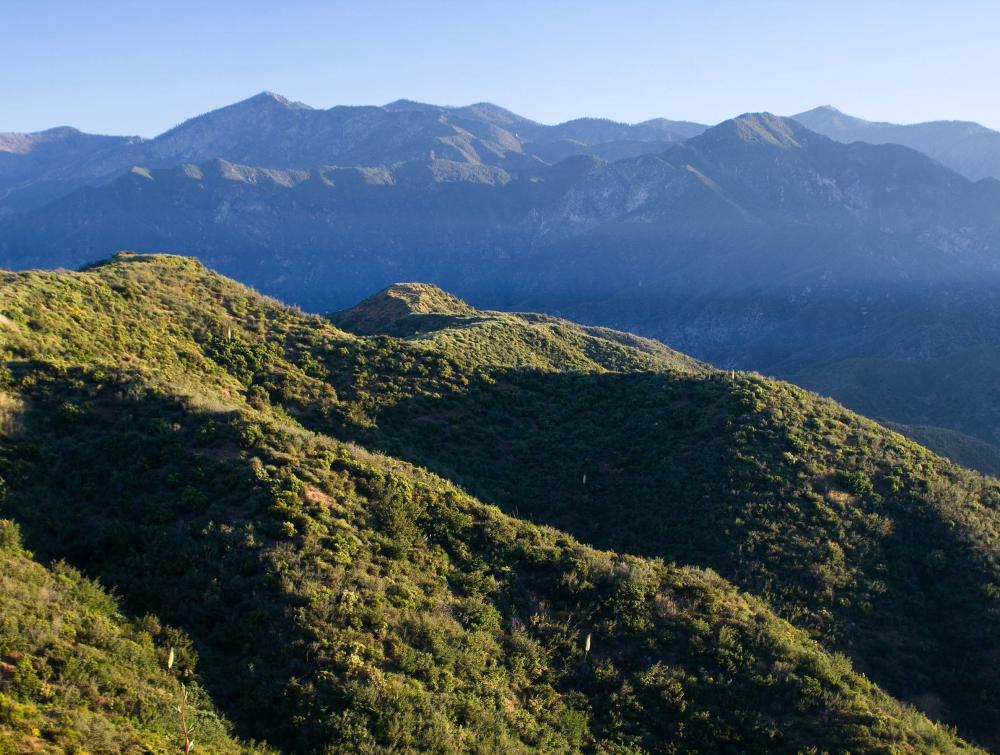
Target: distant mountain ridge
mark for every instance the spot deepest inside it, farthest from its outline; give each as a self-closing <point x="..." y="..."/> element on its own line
<point x="36" y="168"/>
<point x="964" y="146"/>
<point x="270" y="131"/>
<point x="754" y="182"/>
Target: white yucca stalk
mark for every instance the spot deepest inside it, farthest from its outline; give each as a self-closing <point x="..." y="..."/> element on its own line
<point x="182" y="709"/>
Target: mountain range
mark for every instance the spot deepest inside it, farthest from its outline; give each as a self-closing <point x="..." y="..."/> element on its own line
<point x="416" y="525"/>
<point x="270" y="131"/>
<point x="867" y="271"/>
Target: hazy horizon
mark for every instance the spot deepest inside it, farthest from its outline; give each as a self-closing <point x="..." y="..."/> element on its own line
<point x="130" y="68"/>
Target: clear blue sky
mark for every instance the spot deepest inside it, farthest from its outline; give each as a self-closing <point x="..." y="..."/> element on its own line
<point x="140" y="67"/>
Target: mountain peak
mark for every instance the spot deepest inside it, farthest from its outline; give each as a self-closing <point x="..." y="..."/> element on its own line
<point x="827" y="116"/>
<point x="270" y="100"/>
<point x="494" y="114"/>
<point x="762" y="129"/>
<point x="273" y="98"/>
<point x="405" y="105"/>
<point x="426" y="298"/>
<point x="418" y="299"/>
<point x="766" y="128"/>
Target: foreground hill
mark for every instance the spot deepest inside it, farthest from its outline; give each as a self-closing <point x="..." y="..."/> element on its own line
<point x="426" y="315"/>
<point x="181" y="437"/>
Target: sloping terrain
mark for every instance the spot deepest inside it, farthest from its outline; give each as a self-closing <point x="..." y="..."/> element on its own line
<point x="427" y="315"/>
<point x="181" y="438"/>
<point x="77" y="676"/>
<point x="949" y="390"/>
<point x="962" y="449"/>
<point x="845" y="527"/>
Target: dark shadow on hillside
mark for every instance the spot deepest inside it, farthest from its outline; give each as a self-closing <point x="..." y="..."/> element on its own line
<point x="692" y="471"/>
<point x="563" y="448"/>
<point x="156" y="501"/>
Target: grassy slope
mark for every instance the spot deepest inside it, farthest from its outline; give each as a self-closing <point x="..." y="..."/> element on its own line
<point x="344" y="599"/>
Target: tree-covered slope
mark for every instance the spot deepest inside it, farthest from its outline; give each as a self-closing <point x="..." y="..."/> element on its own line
<point x="953" y="390"/>
<point x="875" y="545"/>
<point x="181" y="437"/>
<point x="77" y="676"/>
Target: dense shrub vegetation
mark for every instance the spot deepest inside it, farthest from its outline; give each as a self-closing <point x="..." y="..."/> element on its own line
<point x="847" y="529"/>
<point x="76" y="676"/>
<point x="200" y="449"/>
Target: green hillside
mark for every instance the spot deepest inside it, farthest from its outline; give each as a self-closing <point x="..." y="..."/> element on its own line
<point x="428" y="316"/>
<point x="76" y="676"/>
<point x="187" y="442"/>
<point x="846" y="528"/>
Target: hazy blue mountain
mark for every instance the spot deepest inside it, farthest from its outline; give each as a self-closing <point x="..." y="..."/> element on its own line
<point x="967" y="147"/>
<point x="758" y="203"/>
<point x="270" y="131"/>
<point x="809" y="205"/>
<point x="603" y="130"/>
<point x="609" y="140"/>
<point x="763" y="244"/>
<point x="38" y="167"/>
